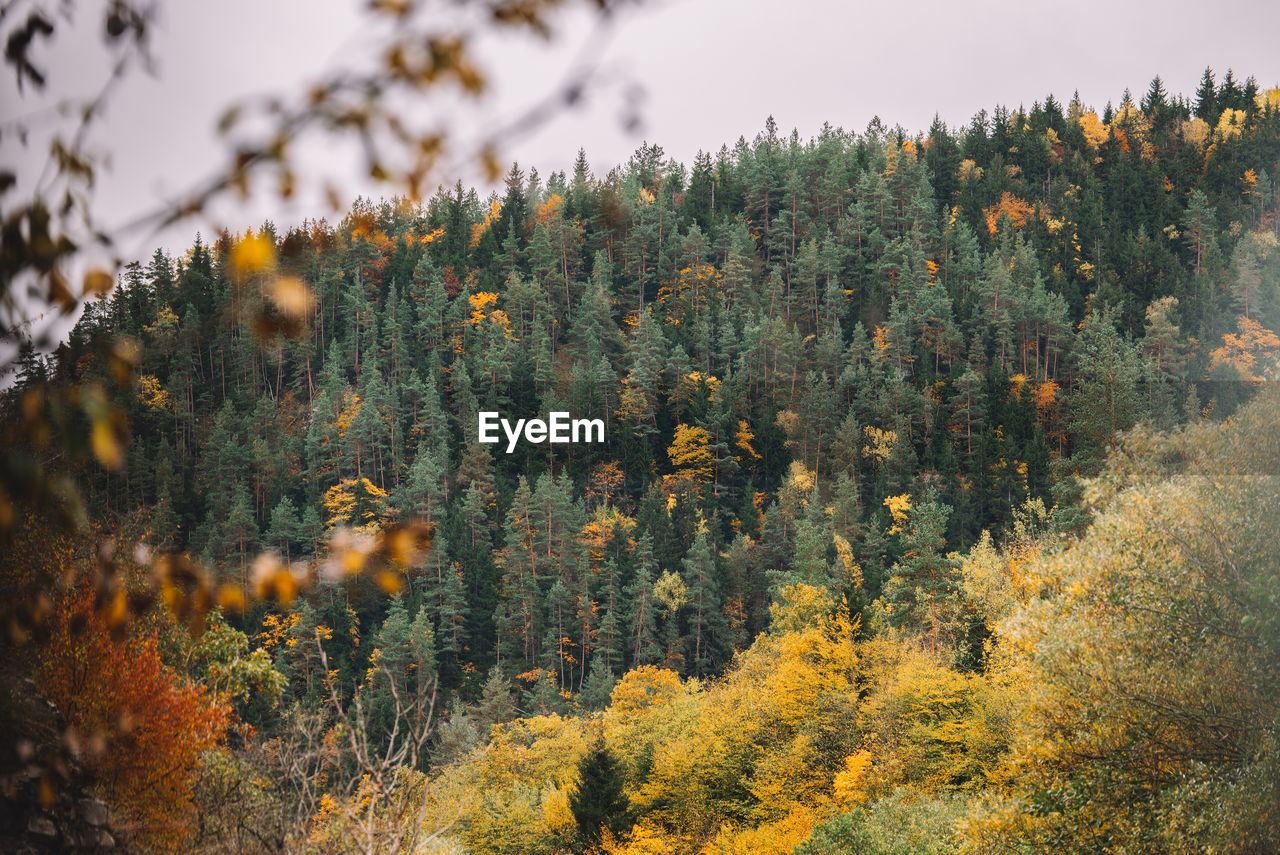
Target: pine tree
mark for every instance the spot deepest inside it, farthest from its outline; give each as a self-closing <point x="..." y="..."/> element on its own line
<point x="1199" y="223"/>
<point x="924" y="581"/>
<point x="642" y="614"/>
<point x="424" y="491"/>
<point x="519" y="560"/>
<point x="310" y="529"/>
<point x="813" y="537"/>
<point x="706" y="619"/>
<point x="1104" y="399"/>
<point x="283" y="529"/>
<point x="609" y="642"/>
<point x="639" y="404"/>
<point x="239" y="532"/>
<point x="555" y="646"/>
<point x="452" y="615"/>
<point x="164" y="526"/>
<point x="1156" y="98"/>
<point x="1206" y="96"/>
<point x="598" y="685"/>
<point x="456" y="736"/>
<point x="543" y="697"/>
<point x="497" y="704"/>
<point x="598" y="802"/>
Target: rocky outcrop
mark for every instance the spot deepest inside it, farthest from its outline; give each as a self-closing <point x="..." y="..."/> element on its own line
<point x="46" y="804"/>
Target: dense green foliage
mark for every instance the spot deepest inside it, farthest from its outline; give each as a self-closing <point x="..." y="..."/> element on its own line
<point x="910" y="530"/>
<point x="598" y="803"/>
<point x="790" y="342"/>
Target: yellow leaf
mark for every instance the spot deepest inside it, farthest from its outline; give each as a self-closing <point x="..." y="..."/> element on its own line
<point x="292" y="296"/>
<point x="252" y="255"/>
<point x="97" y="282"/>
<point x="107" y="447"/>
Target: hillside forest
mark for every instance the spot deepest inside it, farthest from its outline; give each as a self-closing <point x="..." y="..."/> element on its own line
<point x="935" y="513"/>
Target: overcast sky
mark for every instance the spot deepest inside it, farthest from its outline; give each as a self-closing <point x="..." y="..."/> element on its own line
<point x="712" y="70"/>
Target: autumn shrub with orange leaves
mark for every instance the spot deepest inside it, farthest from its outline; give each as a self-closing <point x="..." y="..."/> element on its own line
<point x="142" y="726"/>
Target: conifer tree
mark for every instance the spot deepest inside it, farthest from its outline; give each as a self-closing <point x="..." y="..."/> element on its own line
<point x="923" y="583"/>
<point x="519" y="561"/>
<point x="706" y="618"/>
<point x="283" y="529"/>
<point x="598" y="685"/>
<point x="642" y="614"/>
<point x="497" y="704"/>
<point x="598" y="802"/>
<point x="1105" y="397"/>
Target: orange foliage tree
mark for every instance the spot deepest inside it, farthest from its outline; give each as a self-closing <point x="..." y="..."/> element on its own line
<point x="1016" y="209"/>
<point x="145" y="724"/>
<point x="1252" y="353"/>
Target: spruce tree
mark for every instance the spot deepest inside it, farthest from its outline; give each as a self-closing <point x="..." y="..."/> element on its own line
<point x="497" y="703"/>
<point x="924" y="581"/>
<point x="598" y="802"/>
<point x="598" y="685"/>
<point x="706" y="618"/>
<point x="642" y="608"/>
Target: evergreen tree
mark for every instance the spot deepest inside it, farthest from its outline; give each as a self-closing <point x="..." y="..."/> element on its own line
<point x="642" y="615"/>
<point x="706" y="619"/>
<point x="598" y="801"/>
<point x="598" y="685"/>
<point x="239" y="532"/>
<point x="920" y="592"/>
<point x="497" y="704"/>
<point x="283" y="530"/>
<point x="1104" y="400"/>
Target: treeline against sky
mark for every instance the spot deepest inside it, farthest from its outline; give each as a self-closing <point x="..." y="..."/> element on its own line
<point x="882" y="547"/>
<point x="795" y="345"/>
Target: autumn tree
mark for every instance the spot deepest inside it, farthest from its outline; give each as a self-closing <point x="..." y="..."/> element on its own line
<point x="151" y="724"/>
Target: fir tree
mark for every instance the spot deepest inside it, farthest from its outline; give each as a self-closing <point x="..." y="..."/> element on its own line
<point x="598" y="801"/>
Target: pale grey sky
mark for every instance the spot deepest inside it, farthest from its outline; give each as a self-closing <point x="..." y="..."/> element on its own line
<point x="712" y="71"/>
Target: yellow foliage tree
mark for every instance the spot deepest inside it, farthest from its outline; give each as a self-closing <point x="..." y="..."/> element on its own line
<point x="742" y="442"/>
<point x="924" y="724"/>
<point x="1143" y="723"/>
<point x="1095" y="130"/>
<point x="1018" y="211"/>
<point x="152" y="394"/>
<point x="879" y="442"/>
<point x="642" y="688"/>
<point x="690" y="453"/>
<point x="898" y="507"/>
<point x="356" y="502"/>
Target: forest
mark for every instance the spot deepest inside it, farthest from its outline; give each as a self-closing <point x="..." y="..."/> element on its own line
<point x="935" y="509"/>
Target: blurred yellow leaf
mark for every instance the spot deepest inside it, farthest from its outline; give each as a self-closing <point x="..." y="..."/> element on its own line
<point x="231" y="598"/>
<point x="292" y="296"/>
<point x="389" y="582"/>
<point x="97" y="282"/>
<point x="107" y="447"/>
<point x="252" y="255"/>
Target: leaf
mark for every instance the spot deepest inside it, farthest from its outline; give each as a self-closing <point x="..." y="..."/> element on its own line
<point x="252" y="255"/>
<point x="292" y="296"/>
<point x="97" y="282"/>
<point x="107" y="447"/>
